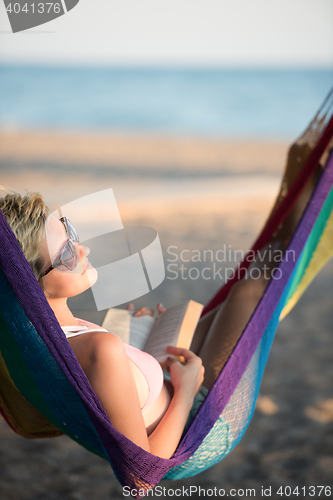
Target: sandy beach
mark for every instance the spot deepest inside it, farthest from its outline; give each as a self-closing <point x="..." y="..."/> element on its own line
<point x="145" y="150"/>
<point x="198" y="194"/>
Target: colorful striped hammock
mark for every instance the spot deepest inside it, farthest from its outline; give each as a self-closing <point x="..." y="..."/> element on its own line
<point x="45" y="393"/>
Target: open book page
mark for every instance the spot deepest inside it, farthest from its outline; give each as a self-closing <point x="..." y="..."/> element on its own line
<point x="166" y="331"/>
<point x="132" y="330"/>
<point x="175" y="326"/>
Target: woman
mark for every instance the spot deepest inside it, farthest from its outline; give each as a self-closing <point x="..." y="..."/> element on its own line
<point x="124" y="378"/>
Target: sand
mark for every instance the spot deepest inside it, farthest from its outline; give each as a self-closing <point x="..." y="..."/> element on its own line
<point x="148" y="151"/>
<point x="198" y="194"/>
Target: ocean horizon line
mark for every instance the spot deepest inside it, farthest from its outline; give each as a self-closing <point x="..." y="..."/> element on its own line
<point x="176" y="66"/>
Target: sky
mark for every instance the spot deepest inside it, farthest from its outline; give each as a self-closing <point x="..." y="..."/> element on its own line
<point x="264" y="33"/>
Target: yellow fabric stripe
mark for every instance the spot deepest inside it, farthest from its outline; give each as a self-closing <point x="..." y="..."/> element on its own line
<point x="323" y="252"/>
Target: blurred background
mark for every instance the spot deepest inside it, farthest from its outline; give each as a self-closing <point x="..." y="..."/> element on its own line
<point x="186" y="110"/>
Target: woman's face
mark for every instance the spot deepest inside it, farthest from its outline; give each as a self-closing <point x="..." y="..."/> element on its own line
<point x="60" y="282"/>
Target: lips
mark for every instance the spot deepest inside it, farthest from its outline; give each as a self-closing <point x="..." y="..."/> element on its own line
<point x="86" y="265"/>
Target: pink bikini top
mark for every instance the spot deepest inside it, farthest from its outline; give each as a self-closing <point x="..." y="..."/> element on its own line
<point x="149" y="366"/>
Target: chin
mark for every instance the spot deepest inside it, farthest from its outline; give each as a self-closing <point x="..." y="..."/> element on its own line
<point x="85" y="281"/>
<point x="92" y="276"/>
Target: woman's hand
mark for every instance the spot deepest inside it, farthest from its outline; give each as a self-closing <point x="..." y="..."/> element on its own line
<point x="186" y="377"/>
<point x="145" y="311"/>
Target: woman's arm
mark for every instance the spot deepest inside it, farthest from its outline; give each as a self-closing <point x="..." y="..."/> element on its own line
<point x="186" y="380"/>
<point x="103" y="358"/>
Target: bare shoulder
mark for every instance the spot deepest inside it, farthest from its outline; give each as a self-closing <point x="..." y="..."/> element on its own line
<point x="91" y="347"/>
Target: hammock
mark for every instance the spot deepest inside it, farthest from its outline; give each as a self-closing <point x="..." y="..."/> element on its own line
<point x="45" y="393"/>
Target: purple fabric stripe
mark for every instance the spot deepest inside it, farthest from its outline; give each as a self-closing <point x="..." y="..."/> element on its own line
<point x="233" y="370"/>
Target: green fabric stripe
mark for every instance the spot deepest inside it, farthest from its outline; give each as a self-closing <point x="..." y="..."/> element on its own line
<point x="312" y="243"/>
<point x="24" y="381"/>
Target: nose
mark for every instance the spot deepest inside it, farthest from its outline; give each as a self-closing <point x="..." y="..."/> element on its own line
<point x="81" y="250"/>
<point x="84" y="251"/>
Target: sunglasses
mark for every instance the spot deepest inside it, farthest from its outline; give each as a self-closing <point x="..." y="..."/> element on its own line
<point x="68" y="255"/>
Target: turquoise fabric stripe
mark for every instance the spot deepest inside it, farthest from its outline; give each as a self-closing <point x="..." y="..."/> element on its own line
<point x="312" y="242"/>
<point x="63" y="402"/>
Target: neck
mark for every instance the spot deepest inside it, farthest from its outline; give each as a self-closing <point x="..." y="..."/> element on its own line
<point x="62" y="312"/>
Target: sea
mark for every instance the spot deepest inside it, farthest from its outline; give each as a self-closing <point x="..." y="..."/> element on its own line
<point x="228" y="103"/>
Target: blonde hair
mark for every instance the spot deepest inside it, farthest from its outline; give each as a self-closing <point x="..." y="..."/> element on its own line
<point x="26" y="216"/>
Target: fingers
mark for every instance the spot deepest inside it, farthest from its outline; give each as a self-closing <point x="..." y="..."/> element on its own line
<point x="185" y="353"/>
<point x="144" y="311"/>
<point x="180" y="351"/>
<point x="189" y="363"/>
<point x="160" y="308"/>
<point x="168" y="362"/>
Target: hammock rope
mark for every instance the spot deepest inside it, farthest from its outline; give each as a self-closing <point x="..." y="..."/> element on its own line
<point x="44" y="392"/>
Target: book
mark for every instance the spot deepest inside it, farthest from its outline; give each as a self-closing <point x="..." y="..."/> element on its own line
<point x="175" y="326"/>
